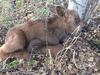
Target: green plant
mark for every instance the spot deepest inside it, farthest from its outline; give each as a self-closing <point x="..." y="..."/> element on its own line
<point x="13" y="64"/>
<point x="43" y="11"/>
<point x="19" y="3"/>
<point x="96" y="41"/>
<point x="32" y="62"/>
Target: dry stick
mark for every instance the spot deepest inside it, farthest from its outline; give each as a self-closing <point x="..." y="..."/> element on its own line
<point x="65" y="45"/>
<point x="51" y="60"/>
<point x="74" y="61"/>
<point x="46" y="24"/>
<point x="70" y="45"/>
<point x="96" y="17"/>
<point x="74" y="32"/>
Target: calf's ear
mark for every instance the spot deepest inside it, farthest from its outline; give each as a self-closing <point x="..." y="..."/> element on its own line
<point x="57" y="10"/>
<point x="60" y="11"/>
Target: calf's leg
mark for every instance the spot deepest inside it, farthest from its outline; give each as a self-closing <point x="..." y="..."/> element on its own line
<point x="15" y="40"/>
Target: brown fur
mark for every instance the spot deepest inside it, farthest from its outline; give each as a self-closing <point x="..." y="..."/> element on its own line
<point x="53" y="49"/>
<point x="58" y="26"/>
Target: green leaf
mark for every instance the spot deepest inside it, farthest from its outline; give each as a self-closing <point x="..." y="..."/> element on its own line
<point x="19" y="3"/>
<point x="96" y="41"/>
<point x="13" y="64"/>
<point x="32" y="62"/>
<point x="43" y="11"/>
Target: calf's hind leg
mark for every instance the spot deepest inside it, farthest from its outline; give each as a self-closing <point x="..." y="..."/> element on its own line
<point x="15" y="40"/>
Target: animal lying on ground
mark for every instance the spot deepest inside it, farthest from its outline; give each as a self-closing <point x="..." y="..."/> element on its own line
<point x="32" y="33"/>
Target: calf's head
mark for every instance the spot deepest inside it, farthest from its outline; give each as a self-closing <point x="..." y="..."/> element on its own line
<point x="65" y="19"/>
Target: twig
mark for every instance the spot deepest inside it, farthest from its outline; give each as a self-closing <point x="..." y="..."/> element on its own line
<point x="96" y="17"/>
<point x="65" y="49"/>
<point x="74" y="61"/>
<point x="8" y="70"/>
<point x="50" y="57"/>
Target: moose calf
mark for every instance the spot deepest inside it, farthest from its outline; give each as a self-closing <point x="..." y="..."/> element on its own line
<point x="32" y="33"/>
